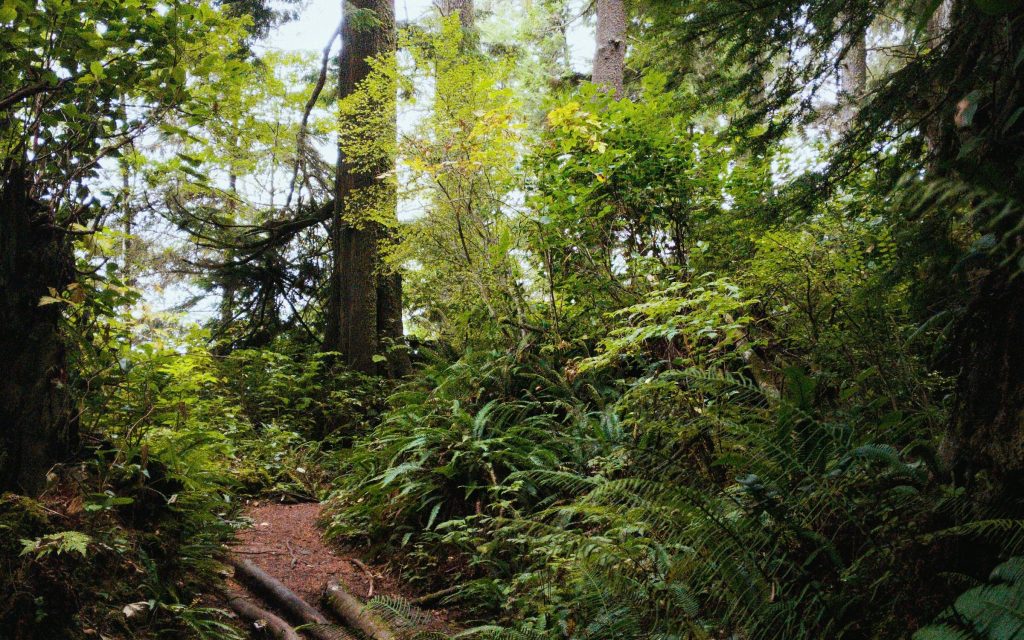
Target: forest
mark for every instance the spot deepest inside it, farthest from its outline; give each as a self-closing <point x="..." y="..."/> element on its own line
<point x="512" y="319"/>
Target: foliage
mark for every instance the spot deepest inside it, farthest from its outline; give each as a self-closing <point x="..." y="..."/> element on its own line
<point x="443" y="453"/>
<point x="760" y="460"/>
<point x="686" y="354"/>
<point x="67" y="95"/>
<point x="697" y="324"/>
<point x="992" y="610"/>
<point x="463" y="160"/>
<point x="629" y="197"/>
<point x="58" y="543"/>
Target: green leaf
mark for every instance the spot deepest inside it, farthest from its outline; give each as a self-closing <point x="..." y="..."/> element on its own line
<point x="8" y="13"/>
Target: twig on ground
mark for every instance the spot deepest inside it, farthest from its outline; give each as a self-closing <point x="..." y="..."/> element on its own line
<point x="369" y="574"/>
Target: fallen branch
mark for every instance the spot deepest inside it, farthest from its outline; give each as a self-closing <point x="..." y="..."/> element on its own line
<point x="271" y="589"/>
<point x="259" y="619"/>
<point x="355" y="614"/>
<point x="431" y="598"/>
<point x="369" y="574"/>
<point x="292" y="552"/>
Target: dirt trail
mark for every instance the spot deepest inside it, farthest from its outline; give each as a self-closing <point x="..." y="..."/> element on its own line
<point x="286" y="542"/>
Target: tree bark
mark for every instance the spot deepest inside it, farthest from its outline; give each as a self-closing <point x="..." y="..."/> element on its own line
<point x="389" y="324"/>
<point x="939" y="21"/>
<point x="36" y="425"/>
<point x="984" y="444"/>
<point x="364" y="309"/>
<point x="610" y="57"/>
<point x="987" y="427"/>
<point x="938" y="24"/>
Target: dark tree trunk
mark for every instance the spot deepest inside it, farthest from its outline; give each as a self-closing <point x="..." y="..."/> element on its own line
<point x="389" y="323"/>
<point x="358" y="277"/>
<point x="364" y="310"/>
<point x="985" y="441"/>
<point x="36" y="429"/>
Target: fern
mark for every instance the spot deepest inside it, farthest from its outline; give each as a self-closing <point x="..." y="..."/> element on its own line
<point x="993" y="611"/>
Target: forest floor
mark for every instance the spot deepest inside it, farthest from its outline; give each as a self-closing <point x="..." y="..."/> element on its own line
<point x="286" y="542"/>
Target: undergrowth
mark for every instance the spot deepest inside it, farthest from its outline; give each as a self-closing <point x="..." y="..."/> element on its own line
<point x="667" y="490"/>
<point x="125" y="541"/>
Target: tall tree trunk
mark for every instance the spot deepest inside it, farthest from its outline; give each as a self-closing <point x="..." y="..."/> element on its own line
<point x="364" y="310"/>
<point x="610" y="57"/>
<point x="985" y="441"/>
<point x="36" y="428"/>
<point x="939" y="21"/>
<point x="853" y="78"/>
<point x="938" y="24"/>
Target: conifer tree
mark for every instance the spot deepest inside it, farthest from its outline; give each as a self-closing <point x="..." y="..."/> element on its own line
<point x="364" y="308"/>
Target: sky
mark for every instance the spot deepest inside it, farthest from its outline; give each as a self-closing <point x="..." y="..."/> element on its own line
<point x="319" y="18"/>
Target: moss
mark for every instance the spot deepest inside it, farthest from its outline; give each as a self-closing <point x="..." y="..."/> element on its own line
<point x="20" y="518"/>
<point x="23" y="589"/>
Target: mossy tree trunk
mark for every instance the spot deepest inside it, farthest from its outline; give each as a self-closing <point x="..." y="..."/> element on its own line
<point x="364" y="309"/>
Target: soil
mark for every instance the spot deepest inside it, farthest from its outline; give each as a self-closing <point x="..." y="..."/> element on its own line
<point x="286" y="542"/>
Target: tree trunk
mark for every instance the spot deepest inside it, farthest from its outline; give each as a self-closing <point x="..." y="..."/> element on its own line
<point x="939" y="21"/>
<point x="364" y="307"/>
<point x="464" y="8"/>
<point x="610" y="57"/>
<point x="938" y="24"/>
<point x="853" y="78"/>
<point x="36" y="428"/>
<point x="984" y="444"/>
<point x="260" y="620"/>
<point x="389" y="324"/>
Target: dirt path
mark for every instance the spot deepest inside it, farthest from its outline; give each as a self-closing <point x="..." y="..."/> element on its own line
<point x="286" y="542"/>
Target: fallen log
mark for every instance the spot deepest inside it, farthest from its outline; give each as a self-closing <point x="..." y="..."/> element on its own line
<point x="355" y="614"/>
<point x="271" y="589"/>
<point x="258" y="619"/>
